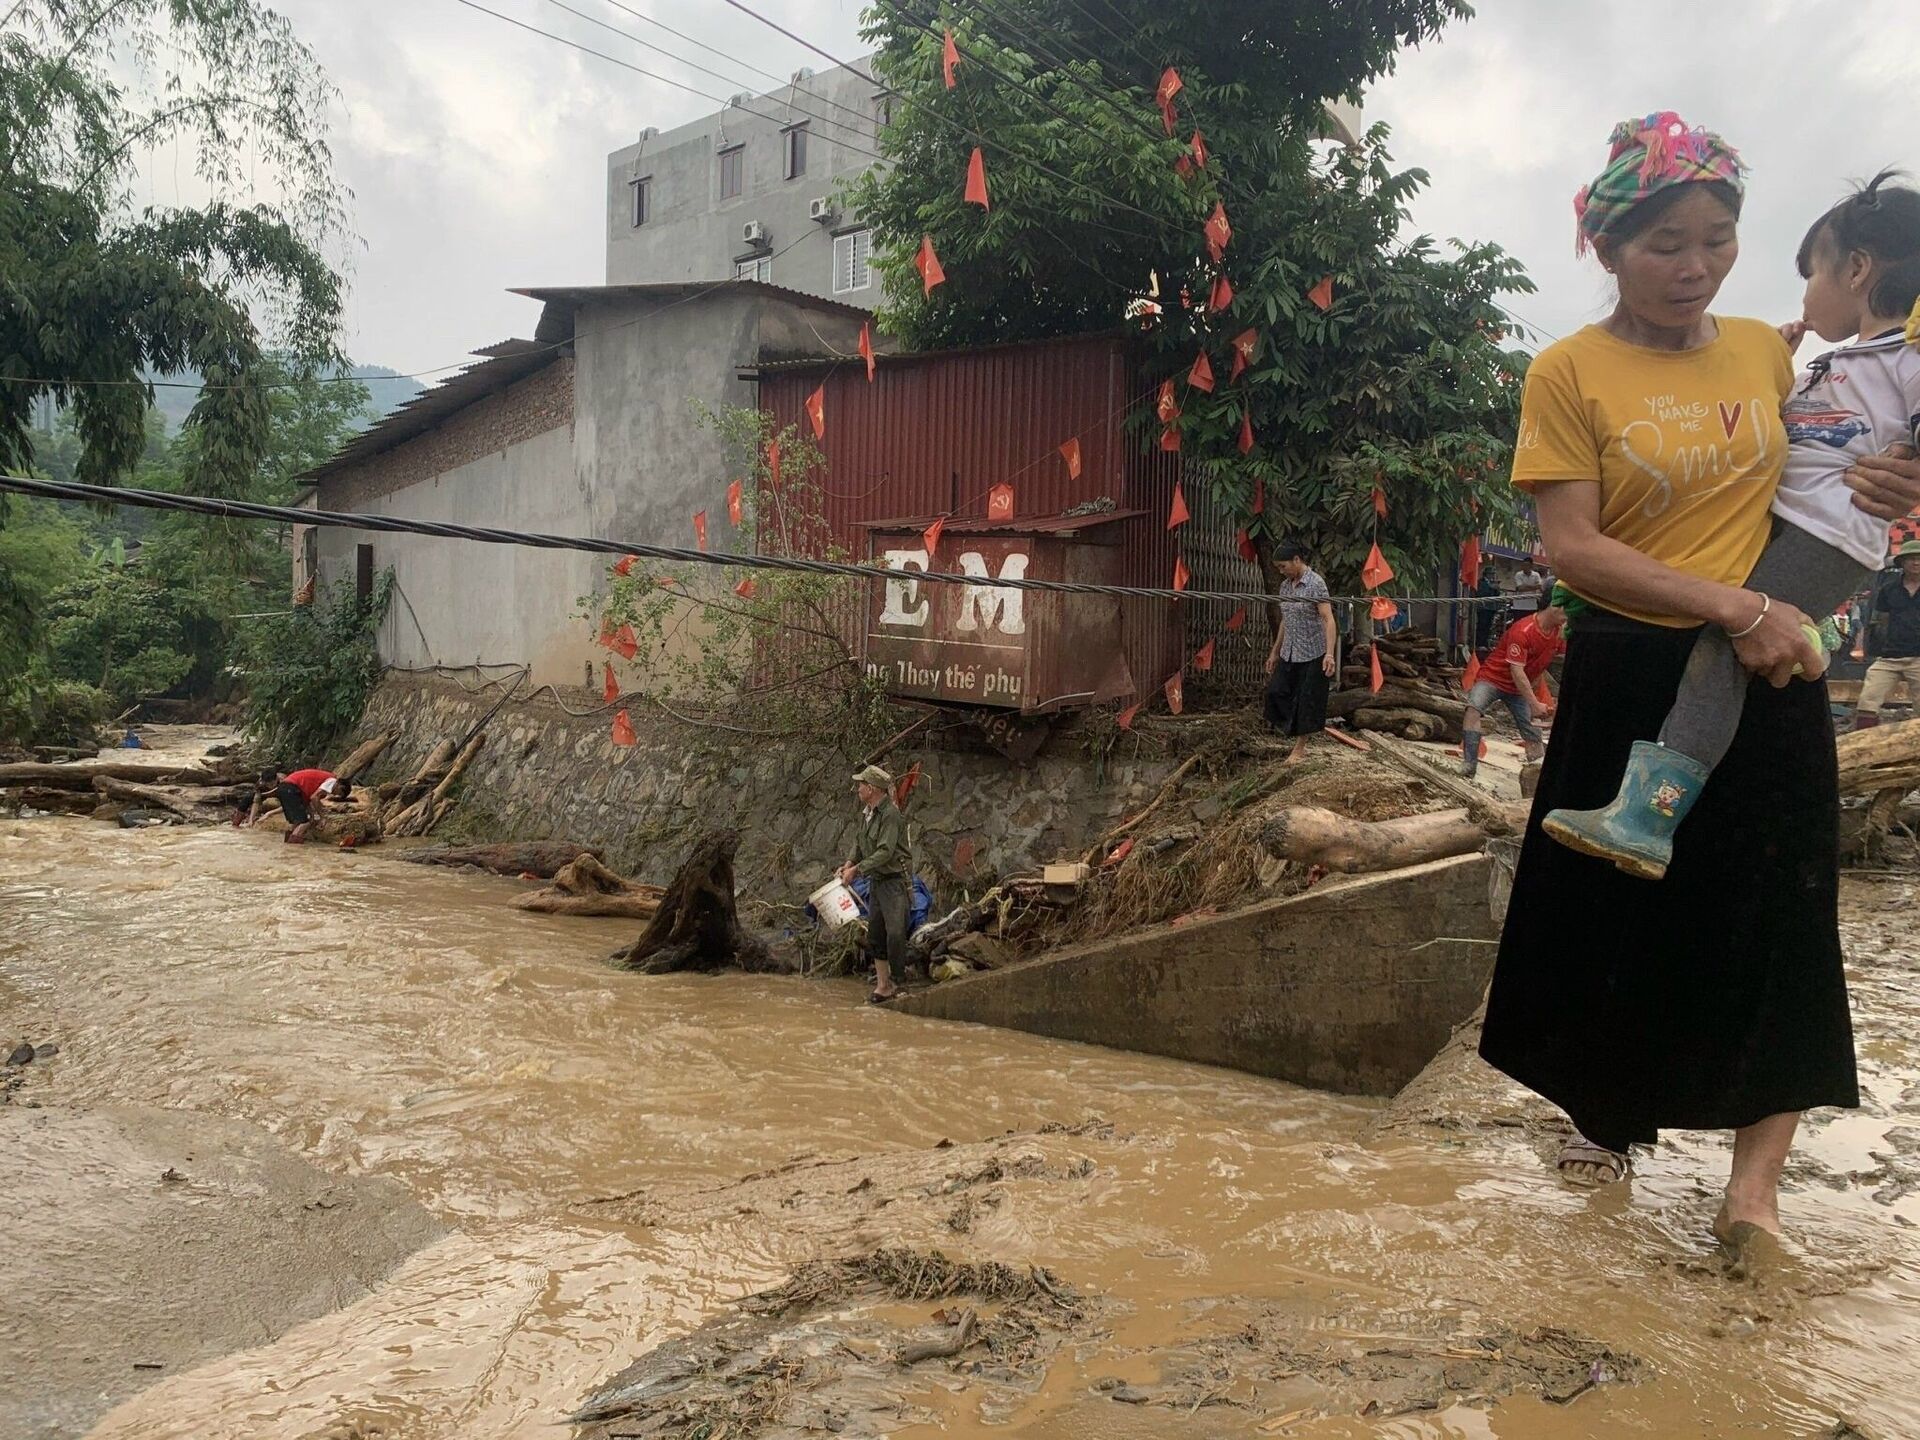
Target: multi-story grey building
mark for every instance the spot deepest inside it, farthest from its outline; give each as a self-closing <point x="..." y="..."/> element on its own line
<point x="749" y="193"/>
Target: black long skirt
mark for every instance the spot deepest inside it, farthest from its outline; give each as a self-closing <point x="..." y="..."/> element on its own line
<point x="1297" y="697"/>
<point x="1715" y="997"/>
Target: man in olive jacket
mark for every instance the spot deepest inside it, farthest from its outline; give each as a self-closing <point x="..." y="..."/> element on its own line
<point x="880" y="853"/>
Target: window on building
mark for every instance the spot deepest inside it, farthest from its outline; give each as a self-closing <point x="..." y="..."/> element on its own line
<point x="733" y="171"/>
<point x="852" y="261"/>
<point x="793" y="148"/>
<point x="642" y="200"/>
<point x="882" y="112"/>
<point x="363" y="574"/>
<point x="758" y="268"/>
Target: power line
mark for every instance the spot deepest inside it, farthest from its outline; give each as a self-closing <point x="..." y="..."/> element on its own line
<point x="348" y="520"/>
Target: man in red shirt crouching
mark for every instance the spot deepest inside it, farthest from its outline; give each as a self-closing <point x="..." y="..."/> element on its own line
<point x="1517" y="662"/>
<point x="303" y="789"/>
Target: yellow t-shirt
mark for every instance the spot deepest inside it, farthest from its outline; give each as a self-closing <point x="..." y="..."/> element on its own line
<point x="1687" y="445"/>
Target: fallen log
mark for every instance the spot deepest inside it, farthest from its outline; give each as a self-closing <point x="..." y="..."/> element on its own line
<point x="584" y="886"/>
<point x="1494" y="816"/>
<point x="697" y="926"/>
<point x="1398" y="695"/>
<point x="1408" y="724"/>
<point x="1883" y="757"/>
<point x="80" y="774"/>
<point x="203" y="804"/>
<point x="363" y="755"/>
<point x="1312" y="836"/>
<point x="47" y="797"/>
<point x="430" y="772"/>
<point x="430" y="809"/>
<point x="527" y="857"/>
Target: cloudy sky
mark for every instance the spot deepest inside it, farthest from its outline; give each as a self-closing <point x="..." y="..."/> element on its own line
<point x="476" y="151"/>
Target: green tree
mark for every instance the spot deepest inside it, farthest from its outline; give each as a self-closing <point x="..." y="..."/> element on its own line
<point x="1401" y="381"/>
<point x="309" y="672"/>
<point x="119" y="631"/>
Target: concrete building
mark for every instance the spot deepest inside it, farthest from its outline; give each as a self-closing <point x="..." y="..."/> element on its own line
<point x="749" y="192"/>
<point x="587" y="429"/>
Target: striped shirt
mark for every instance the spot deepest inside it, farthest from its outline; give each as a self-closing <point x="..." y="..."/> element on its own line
<point x="1300" y="601"/>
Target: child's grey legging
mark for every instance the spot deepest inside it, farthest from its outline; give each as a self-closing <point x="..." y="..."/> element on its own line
<point x="1795" y="568"/>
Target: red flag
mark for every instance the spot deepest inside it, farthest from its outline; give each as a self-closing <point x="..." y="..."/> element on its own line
<point x="1379" y="502"/>
<point x="931" y="538"/>
<point x="1246" y="431"/>
<point x="866" y="348"/>
<point x="746" y="588"/>
<point x="977" y="180"/>
<point x="1237" y="621"/>
<point x="736" y="503"/>
<point x="1218" y="232"/>
<point x="1181" y="575"/>
<point x="1070" y="452"/>
<point x="623" y="729"/>
<point x="928" y="264"/>
<point x="1177" y="513"/>
<point x="1322" y="294"/>
<point x="1375" y="678"/>
<point x="1199" y="148"/>
<point x="1175" y="693"/>
<point x="1244" y="345"/>
<point x="817" y="411"/>
<point x="1183" y="165"/>
<point x="773" y="463"/>
<point x="625" y="643"/>
<point x="1259" y="495"/>
<point x="903" y="787"/>
<point x="1000" y="502"/>
<point x="1471" y="675"/>
<point x="1222" y="295"/>
<point x="1168" y="408"/>
<point x="1125" y="718"/>
<point x="609" y="687"/>
<point x="1470" y="562"/>
<point x="1203" y="657"/>
<point x="1247" y="552"/>
<point x="1124" y="848"/>
<point x="1201" y="375"/>
<point x="1170" y="86"/>
<point x="1383" y="608"/>
<point x="606" y="631"/>
<point x="700" y="528"/>
<point x="1376" y="572"/>
<point x="1541" y="692"/>
<point x="1170" y="439"/>
<point x="949" y="58"/>
<point x="624" y="565"/>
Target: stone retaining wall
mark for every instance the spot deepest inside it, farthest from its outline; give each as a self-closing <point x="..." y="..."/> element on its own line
<point x="544" y="773"/>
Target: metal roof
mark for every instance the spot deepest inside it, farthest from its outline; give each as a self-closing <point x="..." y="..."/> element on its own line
<point x="566" y="297"/>
<point x="1028" y="525"/>
<point x="885" y="358"/>
<point x="505" y="362"/>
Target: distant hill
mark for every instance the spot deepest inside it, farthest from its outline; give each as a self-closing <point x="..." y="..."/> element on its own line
<point x="387" y="389"/>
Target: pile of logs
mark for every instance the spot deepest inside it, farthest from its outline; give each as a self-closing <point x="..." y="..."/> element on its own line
<point x="1421" y="698"/>
<point x="202" y="793"/>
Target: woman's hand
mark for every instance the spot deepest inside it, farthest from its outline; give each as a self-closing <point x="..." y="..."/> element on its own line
<point x="1777" y="644"/>
<point x="1793" y="332"/>
<point x="1327" y="666"/>
<point x="1273" y="659"/>
<point x="1887" y="486"/>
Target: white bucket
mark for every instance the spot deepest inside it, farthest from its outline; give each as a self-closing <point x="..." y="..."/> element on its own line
<point x="835" y="904"/>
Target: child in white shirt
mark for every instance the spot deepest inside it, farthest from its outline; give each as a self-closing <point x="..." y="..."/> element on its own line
<point x="1861" y="262"/>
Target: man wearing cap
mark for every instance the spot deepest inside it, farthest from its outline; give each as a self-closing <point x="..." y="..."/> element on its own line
<point x="1893" y="638"/>
<point x="880" y="853"/>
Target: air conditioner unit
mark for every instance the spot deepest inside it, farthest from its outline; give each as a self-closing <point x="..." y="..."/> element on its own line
<point x="753" y="233"/>
<point x="821" y="210"/>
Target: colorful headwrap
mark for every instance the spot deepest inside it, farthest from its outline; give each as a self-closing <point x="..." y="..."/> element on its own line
<point x="1649" y="155"/>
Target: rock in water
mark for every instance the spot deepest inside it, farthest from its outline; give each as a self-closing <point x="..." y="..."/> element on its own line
<point x="21" y="1054"/>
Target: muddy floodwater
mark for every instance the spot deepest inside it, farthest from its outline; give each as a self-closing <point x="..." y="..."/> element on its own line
<point x="332" y="1146"/>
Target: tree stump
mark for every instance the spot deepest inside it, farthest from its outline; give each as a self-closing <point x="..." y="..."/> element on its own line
<point x="697" y="926"/>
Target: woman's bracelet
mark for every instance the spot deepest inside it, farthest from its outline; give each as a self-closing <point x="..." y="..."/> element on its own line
<point x="1766" y="604"/>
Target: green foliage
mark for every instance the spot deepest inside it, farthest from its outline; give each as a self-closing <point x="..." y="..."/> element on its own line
<point x="1403" y="382"/>
<point x="776" y="661"/>
<point x="120" y="629"/>
<point x="308" y="674"/>
<point x="37" y="708"/>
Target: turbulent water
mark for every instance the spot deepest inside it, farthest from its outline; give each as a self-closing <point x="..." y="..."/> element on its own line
<point x="579" y="1132"/>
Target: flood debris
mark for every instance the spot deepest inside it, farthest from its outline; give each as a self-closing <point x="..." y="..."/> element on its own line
<point x="542" y="859"/>
<point x="583" y="886"/>
<point x="696" y="922"/>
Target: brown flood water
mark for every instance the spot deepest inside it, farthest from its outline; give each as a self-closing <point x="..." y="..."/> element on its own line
<point x="384" y="1020"/>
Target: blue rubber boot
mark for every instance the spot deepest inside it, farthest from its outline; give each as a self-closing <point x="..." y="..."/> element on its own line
<point x="1635" y="832"/>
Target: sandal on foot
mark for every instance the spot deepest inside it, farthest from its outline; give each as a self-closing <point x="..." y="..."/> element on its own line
<point x="1582" y="1151"/>
<point x="876" y="998"/>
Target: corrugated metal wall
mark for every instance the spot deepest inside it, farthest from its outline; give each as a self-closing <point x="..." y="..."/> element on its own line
<point x="934" y="432"/>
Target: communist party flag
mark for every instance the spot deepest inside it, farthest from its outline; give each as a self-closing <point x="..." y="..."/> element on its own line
<point x="746" y="588"/>
<point x="625" y="643"/>
<point x="1175" y="693"/>
<point x="1375" y="679"/>
<point x="1170" y="85"/>
<point x="1244" y="346"/>
<point x="1237" y="621"/>
<point x="700" y="528"/>
<point x="736" y="506"/>
<point x="1170" y="439"/>
<point x="623" y="729"/>
<point x="949" y="58"/>
<point x="1177" y="513"/>
<point x="624" y="565"/>
<point x="1219" y="232"/>
<point x="1199" y="148"/>
<point x="1470" y="562"/>
<point x="1246" y="431"/>
<point x="817" y="411"/>
<point x="1201" y="375"/>
<point x="1322" y="294"/>
<point x="1379" y="502"/>
<point x="866" y="352"/>
<point x="931" y="537"/>
<point x="1181" y="575"/>
<point x="903" y="787"/>
<point x="1203" y="657"/>
<point x="977" y="180"/>
<point x="1183" y="165"/>
<point x="928" y="264"/>
<point x="1244" y="542"/>
<point x="1125" y="718"/>
<point x="1000" y="502"/>
<point x="1376" y="572"/>
<point x="609" y="687"/>
<point x="1222" y="295"/>
<point x="1167" y="407"/>
<point x="1471" y="675"/>
<point x="1070" y="452"/>
<point x="1382" y="608"/>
